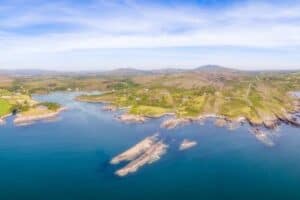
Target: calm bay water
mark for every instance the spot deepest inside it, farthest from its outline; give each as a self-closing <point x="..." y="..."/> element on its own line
<point x="68" y="159"/>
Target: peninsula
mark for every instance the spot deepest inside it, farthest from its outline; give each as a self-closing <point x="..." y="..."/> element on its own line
<point x="259" y="98"/>
<point x="26" y="109"/>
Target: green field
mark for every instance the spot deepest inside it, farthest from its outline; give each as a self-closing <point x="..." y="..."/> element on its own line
<point x="5" y="107"/>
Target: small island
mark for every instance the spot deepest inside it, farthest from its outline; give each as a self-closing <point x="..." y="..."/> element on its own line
<point x="145" y="152"/>
<point x="187" y="144"/>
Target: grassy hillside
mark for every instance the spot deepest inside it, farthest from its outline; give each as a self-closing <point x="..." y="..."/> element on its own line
<point x="255" y="96"/>
<point x="5" y="107"/>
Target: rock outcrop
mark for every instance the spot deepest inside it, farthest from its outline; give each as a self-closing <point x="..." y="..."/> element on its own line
<point x="109" y="108"/>
<point x="136" y="150"/>
<point x="175" y="122"/>
<point x="187" y="144"/>
<point x="145" y="152"/>
<point x="128" y="118"/>
<point x="263" y="137"/>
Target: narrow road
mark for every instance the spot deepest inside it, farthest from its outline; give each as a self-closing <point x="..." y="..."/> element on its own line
<point x="248" y="90"/>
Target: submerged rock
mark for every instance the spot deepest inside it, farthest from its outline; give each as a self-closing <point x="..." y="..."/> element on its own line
<point x="109" y="108"/>
<point x="220" y="122"/>
<point x="263" y="137"/>
<point x="187" y="144"/>
<point x="233" y="125"/>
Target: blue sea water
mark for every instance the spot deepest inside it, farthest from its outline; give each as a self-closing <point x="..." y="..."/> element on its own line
<point x="69" y="159"/>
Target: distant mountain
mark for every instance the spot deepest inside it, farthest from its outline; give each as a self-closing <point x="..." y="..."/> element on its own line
<point x="137" y="72"/>
<point x="168" y="71"/>
<point x="214" y="68"/>
<point x="125" y="72"/>
<point x="128" y="72"/>
<point x="28" y="72"/>
<point x="134" y="72"/>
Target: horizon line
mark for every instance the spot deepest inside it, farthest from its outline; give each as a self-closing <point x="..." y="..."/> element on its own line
<point x="149" y="69"/>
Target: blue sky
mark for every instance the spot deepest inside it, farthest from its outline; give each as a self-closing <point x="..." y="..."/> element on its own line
<point x="107" y="34"/>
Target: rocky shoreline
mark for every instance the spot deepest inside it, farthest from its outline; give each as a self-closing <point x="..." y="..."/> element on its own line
<point x="2" y="119"/>
<point x="290" y="118"/>
<point x="220" y="121"/>
<point x="269" y="122"/>
<point x="26" y="120"/>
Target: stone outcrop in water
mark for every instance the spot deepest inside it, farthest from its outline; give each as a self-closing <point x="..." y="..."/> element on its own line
<point x="220" y="122"/>
<point x="109" y="108"/>
<point x="187" y="144"/>
<point x="263" y="137"/>
<point x="175" y="122"/>
<point x="234" y="125"/>
<point x="145" y="152"/>
<point x="128" y="118"/>
<point x="151" y="155"/>
<point x="136" y="150"/>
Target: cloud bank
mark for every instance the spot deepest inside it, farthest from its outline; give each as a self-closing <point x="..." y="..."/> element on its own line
<point x="31" y="29"/>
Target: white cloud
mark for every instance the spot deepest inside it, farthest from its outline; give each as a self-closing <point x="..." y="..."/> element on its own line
<point x="108" y="24"/>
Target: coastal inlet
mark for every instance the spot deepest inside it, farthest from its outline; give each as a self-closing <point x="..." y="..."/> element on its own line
<point x="70" y="158"/>
<point x="152" y="148"/>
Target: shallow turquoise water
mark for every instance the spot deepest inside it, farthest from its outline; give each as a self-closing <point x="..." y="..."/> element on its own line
<point x="68" y="159"/>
